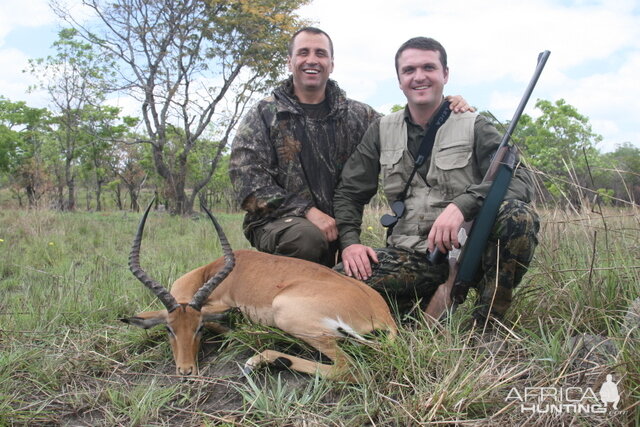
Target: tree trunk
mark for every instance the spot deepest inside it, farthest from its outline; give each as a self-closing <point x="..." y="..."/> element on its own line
<point x="133" y="196"/>
<point x="118" y="196"/>
<point x="31" y="196"/>
<point x="71" y="186"/>
<point x="87" y="198"/>
<point x="60" y="186"/>
<point x="98" y="195"/>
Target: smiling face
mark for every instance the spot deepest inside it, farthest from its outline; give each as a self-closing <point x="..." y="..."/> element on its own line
<point x="311" y="63"/>
<point x="422" y="77"/>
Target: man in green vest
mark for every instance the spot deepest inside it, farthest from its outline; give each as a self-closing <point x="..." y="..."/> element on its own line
<point x="446" y="191"/>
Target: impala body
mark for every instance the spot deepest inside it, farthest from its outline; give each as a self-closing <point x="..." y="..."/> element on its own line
<point x="309" y="301"/>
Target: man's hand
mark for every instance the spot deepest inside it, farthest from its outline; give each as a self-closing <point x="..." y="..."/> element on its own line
<point x="356" y="260"/>
<point x="324" y="222"/>
<point x="459" y="104"/>
<point x="444" y="233"/>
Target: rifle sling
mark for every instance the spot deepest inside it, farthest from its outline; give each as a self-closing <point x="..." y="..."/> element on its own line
<point x="426" y="146"/>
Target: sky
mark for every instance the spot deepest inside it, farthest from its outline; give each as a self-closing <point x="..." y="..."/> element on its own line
<point x="492" y="48"/>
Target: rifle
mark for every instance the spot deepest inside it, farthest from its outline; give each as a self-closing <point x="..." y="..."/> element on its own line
<point x="473" y="236"/>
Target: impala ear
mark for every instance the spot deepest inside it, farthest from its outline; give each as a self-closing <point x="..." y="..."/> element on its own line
<point x="147" y="320"/>
<point x="214" y="317"/>
<point x="211" y="319"/>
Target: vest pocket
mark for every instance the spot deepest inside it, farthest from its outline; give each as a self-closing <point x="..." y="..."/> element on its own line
<point x="453" y="169"/>
<point x="453" y="156"/>
<point x="393" y="177"/>
<point x="402" y="230"/>
<point x="390" y="157"/>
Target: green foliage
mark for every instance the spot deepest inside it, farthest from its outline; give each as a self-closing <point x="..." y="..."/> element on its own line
<point x="623" y="171"/>
<point x="196" y="65"/>
<point x="76" y="79"/>
<point x="21" y="129"/>
<point x="255" y="32"/>
<point x="562" y="146"/>
<point x="24" y="136"/>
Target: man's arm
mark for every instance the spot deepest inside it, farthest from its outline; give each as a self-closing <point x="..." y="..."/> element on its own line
<point x="444" y="232"/>
<point x="487" y="140"/>
<point x="253" y="167"/>
<point x="358" y="184"/>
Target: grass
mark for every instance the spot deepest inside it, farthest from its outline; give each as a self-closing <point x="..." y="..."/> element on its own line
<point x="66" y="360"/>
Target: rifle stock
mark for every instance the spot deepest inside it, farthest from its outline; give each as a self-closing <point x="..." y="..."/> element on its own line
<point x="463" y="268"/>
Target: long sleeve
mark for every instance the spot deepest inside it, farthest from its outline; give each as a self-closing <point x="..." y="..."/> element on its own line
<point x="358" y="184"/>
<point x="253" y="170"/>
<point x="487" y="140"/>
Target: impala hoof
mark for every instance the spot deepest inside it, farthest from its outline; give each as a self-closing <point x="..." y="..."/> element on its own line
<point x="248" y="368"/>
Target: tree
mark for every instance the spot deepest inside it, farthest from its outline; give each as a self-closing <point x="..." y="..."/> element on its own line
<point x="191" y="64"/>
<point x="75" y="79"/>
<point x="22" y="135"/>
<point x="561" y="145"/>
<point x="131" y="164"/>
<point x="102" y="128"/>
<point x="624" y="172"/>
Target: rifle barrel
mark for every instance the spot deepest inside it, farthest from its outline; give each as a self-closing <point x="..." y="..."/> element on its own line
<point x="542" y="60"/>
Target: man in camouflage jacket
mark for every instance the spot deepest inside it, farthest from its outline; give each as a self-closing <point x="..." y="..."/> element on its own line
<point x="289" y="151"/>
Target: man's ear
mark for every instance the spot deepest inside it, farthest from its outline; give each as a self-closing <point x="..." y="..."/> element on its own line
<point x="289" y="66"/>
<point x="147" y="320"/>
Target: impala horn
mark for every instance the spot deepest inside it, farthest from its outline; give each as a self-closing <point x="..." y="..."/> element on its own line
<point x="230" y="261"/>
<point x="134" y="265"/>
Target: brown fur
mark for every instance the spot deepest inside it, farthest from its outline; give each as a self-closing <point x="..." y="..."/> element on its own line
<point x="293" y="295"/>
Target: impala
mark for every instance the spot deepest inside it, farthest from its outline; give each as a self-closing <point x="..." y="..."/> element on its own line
<point x="306" y="300"/>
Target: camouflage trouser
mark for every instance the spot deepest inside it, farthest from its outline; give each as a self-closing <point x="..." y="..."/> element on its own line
<point x="402" y="276"/>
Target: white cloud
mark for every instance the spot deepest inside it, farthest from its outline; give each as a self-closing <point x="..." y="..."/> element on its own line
<point x="492" y="47"/>
<point x="594" y="63"/>
<point x="13" y="82"/>
<point x="24" y="13"/>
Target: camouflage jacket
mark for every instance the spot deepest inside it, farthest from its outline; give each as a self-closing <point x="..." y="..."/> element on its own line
<point x="284" y="162"/>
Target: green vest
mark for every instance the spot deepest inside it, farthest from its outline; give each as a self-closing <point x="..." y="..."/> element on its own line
<point x="451" y="171"/>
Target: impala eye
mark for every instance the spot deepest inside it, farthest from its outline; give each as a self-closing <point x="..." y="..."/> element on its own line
<point x="200" y="330"/>
<point x="169" y="331"/>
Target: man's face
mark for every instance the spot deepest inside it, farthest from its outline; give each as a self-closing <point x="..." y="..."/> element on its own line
<point x="310" y="62"/>
<point x="422" y="77"/>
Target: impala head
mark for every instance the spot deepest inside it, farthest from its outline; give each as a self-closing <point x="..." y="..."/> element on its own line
<point x="184" y="320"/>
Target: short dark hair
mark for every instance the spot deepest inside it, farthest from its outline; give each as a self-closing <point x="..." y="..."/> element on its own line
<point x="312" y="30"/>
<point x="423" y="43"/>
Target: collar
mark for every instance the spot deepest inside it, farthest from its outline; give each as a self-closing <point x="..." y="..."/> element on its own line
<point x="288" y="101"/>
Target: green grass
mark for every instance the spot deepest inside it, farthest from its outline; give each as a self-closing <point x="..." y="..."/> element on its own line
<point x="66" y="359"/>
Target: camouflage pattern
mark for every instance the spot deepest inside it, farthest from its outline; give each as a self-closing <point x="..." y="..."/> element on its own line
<point x="402" y="276"/>
<point x="283" y="161"/>
<point x="512" y="244"/>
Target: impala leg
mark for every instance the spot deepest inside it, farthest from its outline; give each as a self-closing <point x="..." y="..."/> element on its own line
<point x="327" y="345"/>
<point x="439" y="304"/>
